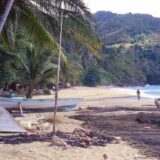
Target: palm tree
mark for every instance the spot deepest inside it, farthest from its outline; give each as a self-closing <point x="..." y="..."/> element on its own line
<point x="35" y="67"/>
<point x="5" y="13"/>
<point x="28" y="14"/>
<point x="43" y="19"/>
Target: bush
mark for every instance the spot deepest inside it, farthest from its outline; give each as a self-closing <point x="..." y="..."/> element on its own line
<point x="92" y="77"/>
<point x="46" y="91"/>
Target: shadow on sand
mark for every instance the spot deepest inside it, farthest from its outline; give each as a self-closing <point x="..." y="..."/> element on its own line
<point x="24" y="138"/>
<point x="80" y="138"/>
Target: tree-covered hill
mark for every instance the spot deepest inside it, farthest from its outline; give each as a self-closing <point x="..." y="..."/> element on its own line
<point x="130" y="53"/>
<point x="131" y="47"/>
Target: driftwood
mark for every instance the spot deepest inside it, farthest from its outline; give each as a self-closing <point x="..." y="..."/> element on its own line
<point x="58" y="142"/>
<point x="20" y="109"/>
<point x="81" y="138"/>
<point x="157" y="102"/>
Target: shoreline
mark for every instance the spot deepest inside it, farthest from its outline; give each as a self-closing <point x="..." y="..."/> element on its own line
<point x="102" y="92"/>
<point x="114" y="92"/>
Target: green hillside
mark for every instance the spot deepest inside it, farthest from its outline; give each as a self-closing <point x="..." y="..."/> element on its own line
<point x="131" y="49"/>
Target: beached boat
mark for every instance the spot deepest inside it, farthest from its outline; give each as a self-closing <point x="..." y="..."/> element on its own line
<point x="8" y="123"/>
<point x="10" y="103"/>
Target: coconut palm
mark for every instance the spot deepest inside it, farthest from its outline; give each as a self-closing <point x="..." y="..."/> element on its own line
<point x="5" y="12"/>
<point x="35" y="67"/>
<point x="23" y="13"/>
<point x="43" y="19"/>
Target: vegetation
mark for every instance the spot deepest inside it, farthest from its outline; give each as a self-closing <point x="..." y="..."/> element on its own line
<point x="131" y="49"/>
<point x="28" y="43"/>
<point x="32" y="58"/>
<point x="130" y="52"/>
<point x="94" y="76"/>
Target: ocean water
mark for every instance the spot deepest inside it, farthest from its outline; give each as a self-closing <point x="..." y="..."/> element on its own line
<point x="148" y="91"/>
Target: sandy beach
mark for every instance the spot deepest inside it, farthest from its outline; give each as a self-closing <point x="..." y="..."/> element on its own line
<point x="103" y="96"/>
<point x="103" y="109"/>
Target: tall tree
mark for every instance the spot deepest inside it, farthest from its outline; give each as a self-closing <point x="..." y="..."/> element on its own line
<point x="7" y="8"/>
<point x="43" y="19"/>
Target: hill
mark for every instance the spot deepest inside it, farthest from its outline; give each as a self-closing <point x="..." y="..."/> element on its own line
<point x="131" y="49"/>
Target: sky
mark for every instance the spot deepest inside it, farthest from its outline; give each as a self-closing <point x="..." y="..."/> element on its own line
<point x="125" y="6"/>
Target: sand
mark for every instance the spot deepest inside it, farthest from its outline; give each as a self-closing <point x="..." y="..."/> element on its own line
<point x="42" y="151"/>
<point x="92" y="92"/>
<point x="92" y="97"/>
<point x="103" y="96"/>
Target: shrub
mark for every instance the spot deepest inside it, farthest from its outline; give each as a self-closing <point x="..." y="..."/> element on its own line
<point x="46" y="91"/>
<point x="92" y="77"/>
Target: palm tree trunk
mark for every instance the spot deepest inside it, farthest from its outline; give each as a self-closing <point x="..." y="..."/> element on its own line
<point x="58" y="73"/>
<point x="30" y="90"/>
<point x="5" y="13"/>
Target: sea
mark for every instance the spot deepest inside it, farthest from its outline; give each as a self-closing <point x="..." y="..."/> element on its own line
<point x="148" y="91"/>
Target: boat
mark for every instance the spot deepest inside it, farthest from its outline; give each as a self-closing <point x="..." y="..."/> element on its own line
<point x="37" y="104"/>
<point x="8" y="123"/>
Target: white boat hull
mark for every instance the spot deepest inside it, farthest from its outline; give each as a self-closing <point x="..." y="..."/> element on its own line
<point x="10" y="103"/>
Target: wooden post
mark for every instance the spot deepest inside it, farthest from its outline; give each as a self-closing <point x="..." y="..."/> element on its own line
<point x="20" y="109"/>
<point x="58" y="69"/>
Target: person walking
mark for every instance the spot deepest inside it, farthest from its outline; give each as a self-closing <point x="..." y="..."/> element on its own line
<point x="138" y="94"/>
